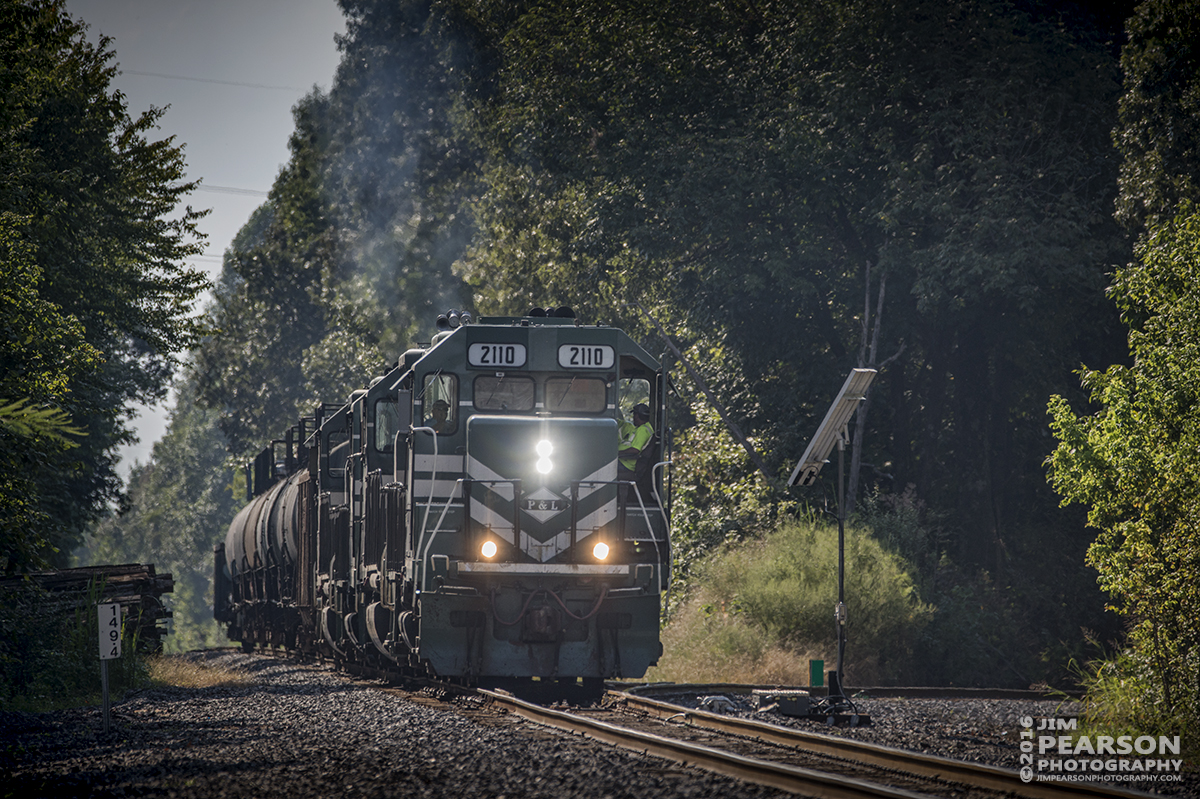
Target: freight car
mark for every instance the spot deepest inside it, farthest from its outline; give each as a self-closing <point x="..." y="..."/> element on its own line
<point x="466" y="516"/>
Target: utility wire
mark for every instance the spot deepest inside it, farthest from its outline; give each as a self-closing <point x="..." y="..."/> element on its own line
<point x="231" y="190"/>
<point x="212" y="80"/>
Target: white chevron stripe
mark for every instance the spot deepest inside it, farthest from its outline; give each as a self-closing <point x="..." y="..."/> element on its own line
<point x="603" y="515"/>
<point x="478" y="471"/>
<point x="492" y="520"/>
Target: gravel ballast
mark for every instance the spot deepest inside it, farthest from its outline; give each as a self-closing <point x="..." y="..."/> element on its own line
<point x="299" y="731"/>
<point x="985" y="731"/>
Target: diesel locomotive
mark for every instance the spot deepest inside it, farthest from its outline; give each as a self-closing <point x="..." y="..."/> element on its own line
<point x="465" y="516"/>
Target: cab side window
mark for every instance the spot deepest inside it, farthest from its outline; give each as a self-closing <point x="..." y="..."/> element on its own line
<point x="632" y="391"/>
<point x="338" y="443"/>
<point x="387" y="424"/>
<point x="440" y="403"/>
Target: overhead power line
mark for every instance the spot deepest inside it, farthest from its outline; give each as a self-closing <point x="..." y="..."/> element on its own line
<point x="232" y="190"/>
<point x="213" y="80"/>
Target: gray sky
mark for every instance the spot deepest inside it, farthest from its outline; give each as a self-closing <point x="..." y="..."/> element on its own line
<point x="230" y="72"/>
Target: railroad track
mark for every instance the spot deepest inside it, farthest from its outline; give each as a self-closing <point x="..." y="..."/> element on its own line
<point x="786" y="758"/>
<point x="792" y="760"/>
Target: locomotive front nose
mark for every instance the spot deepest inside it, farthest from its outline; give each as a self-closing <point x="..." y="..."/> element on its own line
<point x="542" y="489"/>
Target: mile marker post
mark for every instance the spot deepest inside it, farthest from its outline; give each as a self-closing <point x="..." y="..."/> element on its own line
<point x="109" y="615"/>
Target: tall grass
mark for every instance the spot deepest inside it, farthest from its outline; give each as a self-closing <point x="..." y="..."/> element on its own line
<point x="181" y="672"/>
<point x="760" y="610"/>
<point x="1123" y="698"/>
<point x="49" y="652"/>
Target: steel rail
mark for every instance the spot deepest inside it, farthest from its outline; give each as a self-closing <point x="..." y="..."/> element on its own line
<point x="761" y="772"/>
<point x="932" y="766"/>
<point x="863" y="692"/>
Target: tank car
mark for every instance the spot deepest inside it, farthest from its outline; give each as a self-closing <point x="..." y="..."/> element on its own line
<point x="464" y="515"/>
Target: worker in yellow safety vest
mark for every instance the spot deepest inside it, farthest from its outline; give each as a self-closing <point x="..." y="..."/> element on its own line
<point x="634" y="438"/>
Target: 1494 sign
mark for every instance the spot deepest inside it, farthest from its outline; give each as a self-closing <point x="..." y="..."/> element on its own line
<point x="110" y="630"/>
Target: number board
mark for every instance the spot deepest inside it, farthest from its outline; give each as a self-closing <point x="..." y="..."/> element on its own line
<point x="586" y="356"/>
<point x="489" y="355"/>
<point x="110" y="630"/>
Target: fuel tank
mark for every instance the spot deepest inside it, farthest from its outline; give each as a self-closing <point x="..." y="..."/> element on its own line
<point x="264" y="532"/>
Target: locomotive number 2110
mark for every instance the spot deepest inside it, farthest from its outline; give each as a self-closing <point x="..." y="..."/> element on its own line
<point x="578" y="356"/>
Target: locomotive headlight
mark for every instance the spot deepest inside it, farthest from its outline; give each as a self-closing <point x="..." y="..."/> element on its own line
<point x="544" y="448"/>
<point x="600" y="551"/>
<point x="488" y="550"/>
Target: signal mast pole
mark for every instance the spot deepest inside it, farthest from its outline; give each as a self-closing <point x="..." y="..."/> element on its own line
<point x="833" y="431"/>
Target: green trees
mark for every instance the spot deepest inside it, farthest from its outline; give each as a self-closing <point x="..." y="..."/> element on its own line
<point x="96" y="303"/>
<point x="351" y="256"/>
<point x="752" y="174"/>
<point x="41" y="354"/>
<point x="180" y="504"/>
<point x="1159" y="135"/>
<point x="1134" y="461"/>
<point x="739" y="168"/>
<point x="270" y="304"/>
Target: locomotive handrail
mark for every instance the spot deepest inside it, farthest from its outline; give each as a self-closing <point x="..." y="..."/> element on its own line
<point x="429" y="503"/>
<point x="432" y="480"/>
<point x="437" y="528"/>
<point x="650" y="528"/>
<point x="666" y="528"/>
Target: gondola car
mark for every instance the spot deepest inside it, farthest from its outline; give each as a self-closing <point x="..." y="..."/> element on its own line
<point x="463" y="516"/>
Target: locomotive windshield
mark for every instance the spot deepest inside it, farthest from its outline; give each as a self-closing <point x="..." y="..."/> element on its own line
<point x="501" y="392"/>
<point x="576" y="395"/>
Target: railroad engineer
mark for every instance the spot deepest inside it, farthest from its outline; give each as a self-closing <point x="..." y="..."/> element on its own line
<point x="439" y="419"/>
<point x="634" y="438"/>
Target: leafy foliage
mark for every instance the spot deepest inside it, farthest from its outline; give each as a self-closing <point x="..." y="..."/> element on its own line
<point x="1123" y="699"/>
<point x="349" y="258"/>
<point x="1159" y="132"/>
<point x="48" y="652"/>
<point x="737" y="167"/>
<point x="268" y="308"/>
<point x="1134" y="463"/>
<point x="180" y="504"/>
<point x="90" y="200"/>
<point x="41" y="353"/>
